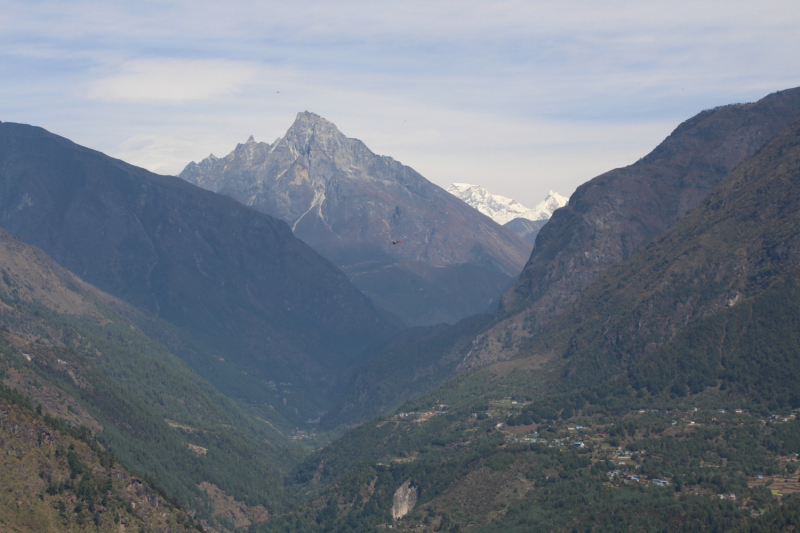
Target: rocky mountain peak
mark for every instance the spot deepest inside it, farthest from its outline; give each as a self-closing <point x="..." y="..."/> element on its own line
<point x="359" y="208"/>
<point x="544" y="209"/>
<point x="312" y="132"/>
<point x="308" y="121"/>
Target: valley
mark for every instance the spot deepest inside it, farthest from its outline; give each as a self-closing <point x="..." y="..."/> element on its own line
<point x="243" y="347"/>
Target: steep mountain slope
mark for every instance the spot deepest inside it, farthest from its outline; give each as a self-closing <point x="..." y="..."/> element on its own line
<point x="619" y="414"/>
<point x="615" y="214"/>
<point x="526" y="229"/>
<point x="514" y="329"/>
<point x="231" y="277"/>
<point x="740" y="245"/>
<point x="743" y="239"/>
<point x="59" y="479"/>
<point x="525" y="222"/>
<point x="352" y="205"/>
<point x="64" y="346"/>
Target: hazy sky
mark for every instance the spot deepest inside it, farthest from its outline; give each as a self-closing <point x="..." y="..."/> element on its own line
<point x="520" y="97"/>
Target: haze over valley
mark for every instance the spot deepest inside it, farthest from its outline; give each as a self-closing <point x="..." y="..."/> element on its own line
<point x="545" y="278"/>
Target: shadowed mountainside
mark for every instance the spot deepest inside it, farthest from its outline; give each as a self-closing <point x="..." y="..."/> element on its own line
<point x="615" y="214"/>
<point x="231" y="277"/>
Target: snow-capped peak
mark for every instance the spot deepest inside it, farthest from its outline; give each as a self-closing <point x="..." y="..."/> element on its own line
<point x="502" y="209"/>
<point x="498" y="208"/>
<point x="544" y="209"/>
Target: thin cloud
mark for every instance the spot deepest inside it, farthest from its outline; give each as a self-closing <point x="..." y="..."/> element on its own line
<point x="158" y="153"/>
<point x="522" y="96"/>
<point x="172" y="80"/>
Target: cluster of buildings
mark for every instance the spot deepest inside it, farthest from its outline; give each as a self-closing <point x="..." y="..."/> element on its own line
<point x="627" y="477"/>
<point x="534" y="438"/>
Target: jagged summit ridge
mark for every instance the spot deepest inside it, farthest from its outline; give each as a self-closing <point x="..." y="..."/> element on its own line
<point x="304" y="158"/>
<point x="311" y="129"/>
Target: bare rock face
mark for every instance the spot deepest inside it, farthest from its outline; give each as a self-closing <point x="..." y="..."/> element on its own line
<point x="373" y="217"/>
<point x="615" y="214"/>
<point x="405" y="498"/>
<point x="236" y="512"/>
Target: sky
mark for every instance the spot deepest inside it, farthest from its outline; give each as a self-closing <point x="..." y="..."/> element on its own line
<point x="521" y="97"/>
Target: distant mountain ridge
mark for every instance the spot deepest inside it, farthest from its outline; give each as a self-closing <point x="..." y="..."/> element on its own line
<point x="525" y="222"/>
<point x="503" y="210"/>
<point x="413" y="248"/>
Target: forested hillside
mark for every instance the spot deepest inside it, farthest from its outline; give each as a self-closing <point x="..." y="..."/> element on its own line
<point x="80" y="361"/>
<point x="58" y="478"/>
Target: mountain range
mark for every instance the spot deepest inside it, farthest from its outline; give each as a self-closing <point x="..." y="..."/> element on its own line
<point x="414" y="249"/>
<point x="503" y="210"/>
<point x="173" y="359"/>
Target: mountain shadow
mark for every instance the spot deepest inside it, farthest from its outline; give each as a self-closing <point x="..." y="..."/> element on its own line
<point x="230" y="277"/>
